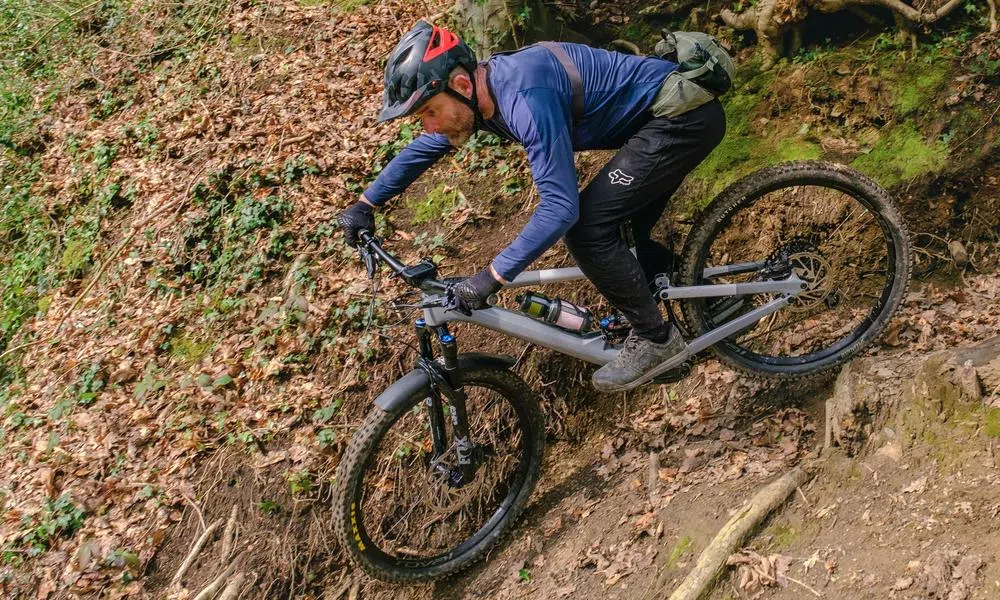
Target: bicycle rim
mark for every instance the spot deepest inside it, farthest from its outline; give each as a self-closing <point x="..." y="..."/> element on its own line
<point x="408" y="513"/>
<point x="829" y="232"/>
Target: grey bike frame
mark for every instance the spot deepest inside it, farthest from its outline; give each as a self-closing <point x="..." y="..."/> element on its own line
<point x="592" y="347"/>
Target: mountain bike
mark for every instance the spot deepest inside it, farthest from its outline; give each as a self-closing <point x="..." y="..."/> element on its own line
<point x="788" y="273"/>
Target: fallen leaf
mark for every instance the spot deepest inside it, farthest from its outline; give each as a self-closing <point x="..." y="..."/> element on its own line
<point x="917" y="486"/>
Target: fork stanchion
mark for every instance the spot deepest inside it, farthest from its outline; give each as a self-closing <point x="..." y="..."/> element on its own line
<point x="459" y="414"/>
<point x="449" y="351"/>
<point x="423" y="339"/>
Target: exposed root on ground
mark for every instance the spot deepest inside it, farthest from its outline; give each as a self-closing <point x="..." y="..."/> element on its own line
<point x="732" y="534"/>
<point x="195" y="550"/>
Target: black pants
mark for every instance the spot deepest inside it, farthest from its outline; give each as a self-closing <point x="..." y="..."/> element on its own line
<point x="635" y="186"/>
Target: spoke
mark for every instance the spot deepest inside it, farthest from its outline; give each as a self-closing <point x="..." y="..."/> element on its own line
<point x="426" y="510"/>
<point x="829" y="239"/>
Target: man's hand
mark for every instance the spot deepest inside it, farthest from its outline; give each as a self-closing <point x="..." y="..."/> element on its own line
<point x="358" y="216"/>
<point x="471" y="293"/>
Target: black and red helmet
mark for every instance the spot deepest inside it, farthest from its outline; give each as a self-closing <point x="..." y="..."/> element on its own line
<point x="419" y="67"/>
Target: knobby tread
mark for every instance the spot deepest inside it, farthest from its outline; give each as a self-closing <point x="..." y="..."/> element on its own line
<point x="350" y="472"/>
<point x="775" y="177"/>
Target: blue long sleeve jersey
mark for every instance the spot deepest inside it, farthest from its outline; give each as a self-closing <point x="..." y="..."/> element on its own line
<point x="534" y="101"/>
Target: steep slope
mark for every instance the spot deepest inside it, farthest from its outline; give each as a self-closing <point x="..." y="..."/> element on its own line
<point x="184" y="332"/>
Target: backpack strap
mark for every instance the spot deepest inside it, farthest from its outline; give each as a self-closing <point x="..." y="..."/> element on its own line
<point x="576" y="82"/>
<point x="705" y="68"/>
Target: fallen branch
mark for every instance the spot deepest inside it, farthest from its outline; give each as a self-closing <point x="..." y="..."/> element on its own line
<point x="803" y="584"/>
<point x="732" y="534"/>
<point x="193" y="554"/>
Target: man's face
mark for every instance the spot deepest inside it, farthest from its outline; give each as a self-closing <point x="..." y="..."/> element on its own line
<point x="446" y="115"/>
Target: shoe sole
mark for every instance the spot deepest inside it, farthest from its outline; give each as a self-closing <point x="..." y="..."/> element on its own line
<point x="671" y="363"/>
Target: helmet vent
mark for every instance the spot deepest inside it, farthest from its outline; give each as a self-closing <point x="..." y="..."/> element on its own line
<point x="442" y="41"/>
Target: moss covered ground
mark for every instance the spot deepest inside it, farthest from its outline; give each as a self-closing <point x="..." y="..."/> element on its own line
<point x="902" y="117"/>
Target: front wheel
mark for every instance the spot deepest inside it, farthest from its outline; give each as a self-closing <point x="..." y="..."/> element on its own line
<point x="834" y="228"/>
<point x="403" y="510"/>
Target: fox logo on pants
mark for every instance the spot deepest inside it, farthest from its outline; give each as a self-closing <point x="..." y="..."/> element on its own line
<point x="617" y="176"/>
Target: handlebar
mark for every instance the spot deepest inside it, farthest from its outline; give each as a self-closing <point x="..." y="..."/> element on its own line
<point x="370" y="242"/>
<point x="422" y="275"/>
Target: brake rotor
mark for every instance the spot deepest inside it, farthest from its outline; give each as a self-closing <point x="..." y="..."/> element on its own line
<point x="810" y="265"/>
<point x="815" y="270"/>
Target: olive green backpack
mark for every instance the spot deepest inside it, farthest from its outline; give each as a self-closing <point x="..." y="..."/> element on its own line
<point x="705" y="72"/>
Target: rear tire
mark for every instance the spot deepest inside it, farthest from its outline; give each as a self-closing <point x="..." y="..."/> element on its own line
<point x="868" y="219"/>
<point x="359" y="506"/>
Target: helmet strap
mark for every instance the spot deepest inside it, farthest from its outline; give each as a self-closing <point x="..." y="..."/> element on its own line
<point x="472" y="103"/>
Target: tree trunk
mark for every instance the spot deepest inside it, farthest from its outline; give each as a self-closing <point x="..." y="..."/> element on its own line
<point x="498" y="25"/>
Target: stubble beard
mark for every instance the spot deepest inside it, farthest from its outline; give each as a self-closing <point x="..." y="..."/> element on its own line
<point x="465" y="125"/>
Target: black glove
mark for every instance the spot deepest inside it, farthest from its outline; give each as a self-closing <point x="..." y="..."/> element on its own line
<point x="358" y="216"/>
<point x="470" y="294"/>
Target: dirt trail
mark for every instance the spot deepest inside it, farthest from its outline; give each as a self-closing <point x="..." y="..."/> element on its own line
<point x="919" y="524"/>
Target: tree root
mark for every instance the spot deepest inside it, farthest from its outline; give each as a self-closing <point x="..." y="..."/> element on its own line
<point x="232" y="591"/>
<point x="625" y="46"/>
<point x="349" y="583"/>
<point x="229" y="536"/>
<point x="713" y="558"/>
<point x="213" y="588"/>
<point x="771" y="21"/>
<point x="864" y="15"/>
<point x="195" y="550"/>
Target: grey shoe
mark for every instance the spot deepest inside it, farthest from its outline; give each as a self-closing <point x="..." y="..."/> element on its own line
<point x="639" y="361"/>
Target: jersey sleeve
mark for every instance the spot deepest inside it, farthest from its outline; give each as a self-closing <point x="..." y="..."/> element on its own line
<point x="409" y="164"/>
<point x="541" y="120"/>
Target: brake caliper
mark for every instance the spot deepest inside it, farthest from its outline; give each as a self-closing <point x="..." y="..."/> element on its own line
<point x="809" y="264"/>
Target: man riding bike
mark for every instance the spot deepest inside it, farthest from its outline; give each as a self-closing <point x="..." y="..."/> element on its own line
<point x="554" y="99"/>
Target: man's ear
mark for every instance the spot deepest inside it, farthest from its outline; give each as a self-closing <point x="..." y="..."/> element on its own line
<point x="462" y="83"/>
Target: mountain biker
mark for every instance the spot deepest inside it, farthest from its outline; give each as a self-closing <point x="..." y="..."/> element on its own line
<point x="528" y="97"/>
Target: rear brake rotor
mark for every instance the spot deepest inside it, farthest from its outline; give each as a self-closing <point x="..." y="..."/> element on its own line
<point x="810" y="265"/>
<point x="815" y="270"/>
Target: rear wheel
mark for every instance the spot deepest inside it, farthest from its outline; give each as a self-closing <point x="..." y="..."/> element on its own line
<point x="404" y="514"/>
<point x="836" y="229"/>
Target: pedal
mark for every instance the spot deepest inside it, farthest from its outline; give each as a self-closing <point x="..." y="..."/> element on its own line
<point x="674" y="375"/>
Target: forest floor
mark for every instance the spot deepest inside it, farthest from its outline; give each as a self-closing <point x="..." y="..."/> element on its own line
<point x="911" y="524"/>
<point x="184" y="333"/>
<point x="893" y="524"/>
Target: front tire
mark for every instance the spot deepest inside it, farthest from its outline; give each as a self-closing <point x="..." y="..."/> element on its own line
<point x="390" y="506"/>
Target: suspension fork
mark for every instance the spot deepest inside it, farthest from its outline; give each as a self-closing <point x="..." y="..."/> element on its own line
<point x="433" y="400"/>
<point x="446" y="382"/>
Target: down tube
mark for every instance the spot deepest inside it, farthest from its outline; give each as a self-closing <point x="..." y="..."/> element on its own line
<point x="591" y="348"/>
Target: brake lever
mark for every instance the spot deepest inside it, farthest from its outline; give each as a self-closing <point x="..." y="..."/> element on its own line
<point x="370" y="260"/>
<point x="453" y="302"/>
